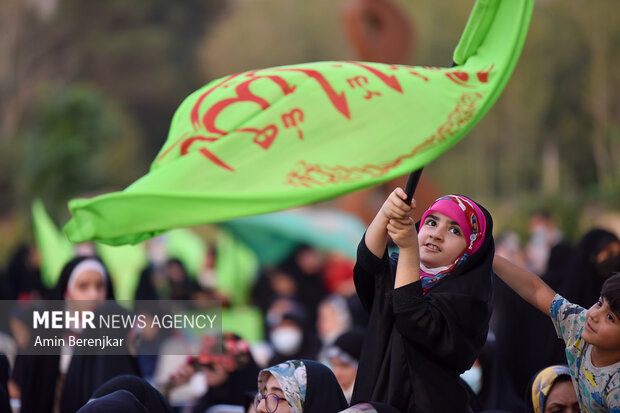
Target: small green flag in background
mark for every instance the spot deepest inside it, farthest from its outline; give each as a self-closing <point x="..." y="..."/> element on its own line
<point x="55" y="250"/>
<point x="236" y="267"/>
<point x="125" y="263"/>
<point x="277" y="138"/>
<point x="189" y="248"/>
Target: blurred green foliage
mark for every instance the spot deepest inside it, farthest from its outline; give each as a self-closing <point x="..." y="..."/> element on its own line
<point x="74" y="143"/>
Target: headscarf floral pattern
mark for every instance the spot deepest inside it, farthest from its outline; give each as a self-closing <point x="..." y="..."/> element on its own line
<point x="293" y="380"/>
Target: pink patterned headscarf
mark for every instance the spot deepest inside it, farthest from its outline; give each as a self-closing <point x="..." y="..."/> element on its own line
<point x="472" y="221"/>
<point x="467" y="214"/>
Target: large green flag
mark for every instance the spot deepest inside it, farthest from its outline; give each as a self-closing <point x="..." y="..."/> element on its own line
<point x="276" y="138"/>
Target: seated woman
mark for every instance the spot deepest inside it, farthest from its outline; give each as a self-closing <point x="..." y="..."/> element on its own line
<point x="298" y="386"/>
<point x="551" y="390"/>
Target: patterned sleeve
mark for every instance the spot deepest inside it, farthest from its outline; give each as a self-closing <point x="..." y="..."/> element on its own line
<point x="568" y="319"/>
<point x="613" y="395"/>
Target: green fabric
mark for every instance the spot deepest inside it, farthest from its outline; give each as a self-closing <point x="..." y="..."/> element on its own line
<point x="187" y="247"/>
<point x="124" y="264"/>
<point x="246" y="322"/>
<point x="270" y="247"/>
<point x="55" y="249"/>
<point x="476" y="30"/>
<point x="236" y="267"/>
<point x="275" y="236"/>
<point x="277" y="138"/>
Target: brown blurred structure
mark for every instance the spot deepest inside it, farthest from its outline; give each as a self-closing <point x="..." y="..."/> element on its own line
<point x="379" y="31"/>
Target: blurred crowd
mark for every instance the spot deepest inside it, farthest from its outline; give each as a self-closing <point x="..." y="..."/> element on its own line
<point x="310" y="319"/>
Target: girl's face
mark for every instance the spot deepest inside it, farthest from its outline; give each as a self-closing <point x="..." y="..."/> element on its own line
<point x="273" y="387"/>
<point x="88" y="285"/>
<point x="441" y="240"/>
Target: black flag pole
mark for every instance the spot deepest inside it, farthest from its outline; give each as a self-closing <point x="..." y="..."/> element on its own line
<point x="412" y="184"/>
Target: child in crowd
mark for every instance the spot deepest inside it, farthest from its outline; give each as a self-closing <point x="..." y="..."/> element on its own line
<point x="429" y="305"/>
<point x="592" y="336"/>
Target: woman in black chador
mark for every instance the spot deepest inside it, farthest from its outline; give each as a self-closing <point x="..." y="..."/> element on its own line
<point x="73" y="377"/>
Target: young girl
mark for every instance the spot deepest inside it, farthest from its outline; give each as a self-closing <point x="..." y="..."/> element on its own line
<point x="429" y="305"/>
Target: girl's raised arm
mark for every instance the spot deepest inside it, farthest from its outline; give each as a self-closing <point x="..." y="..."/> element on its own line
<point x="394" y="207"/>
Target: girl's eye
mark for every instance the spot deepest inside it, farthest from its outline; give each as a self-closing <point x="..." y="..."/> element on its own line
<point x="431" y="222"/>
<point x="455" y="231"/>
<point x="610" y="317"/>
<point x="599" y="303"/>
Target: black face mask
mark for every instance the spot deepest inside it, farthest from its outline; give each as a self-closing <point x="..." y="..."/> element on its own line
<point x="608" y="267"/>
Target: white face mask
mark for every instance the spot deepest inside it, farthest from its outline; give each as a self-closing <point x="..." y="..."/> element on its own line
<point x="286" y="340"/>
<point x="473" y="377"/>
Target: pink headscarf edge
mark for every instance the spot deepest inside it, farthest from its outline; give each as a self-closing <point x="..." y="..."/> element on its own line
<point x="461" y="220"/>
